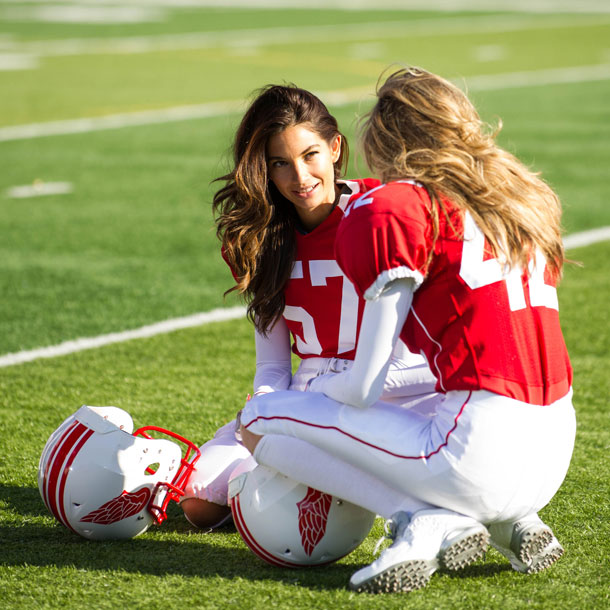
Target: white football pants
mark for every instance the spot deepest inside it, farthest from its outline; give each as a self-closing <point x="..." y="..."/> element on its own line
<point x="221" y="455"/>
<point x="480" y="454"/>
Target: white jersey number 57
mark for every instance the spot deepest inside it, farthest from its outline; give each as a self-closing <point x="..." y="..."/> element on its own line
<point x="319" y="271"/>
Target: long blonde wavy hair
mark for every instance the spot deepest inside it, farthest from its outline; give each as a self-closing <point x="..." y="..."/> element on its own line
<point x="424" y="128"/>
<point x="254" y="222"/>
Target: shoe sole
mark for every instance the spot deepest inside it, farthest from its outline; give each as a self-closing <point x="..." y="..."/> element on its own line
<point x="415" y="574"/>
<point x="462" y="550"/>
<point x="538" y="549"/>
<point x="400" y="578"/>
<point x="534" y="550"/>
<point x="543" y="561"/>
<point x="531" y="542"/>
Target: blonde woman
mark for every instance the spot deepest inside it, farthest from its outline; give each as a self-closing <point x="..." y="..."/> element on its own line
<point x="458" y="254"/>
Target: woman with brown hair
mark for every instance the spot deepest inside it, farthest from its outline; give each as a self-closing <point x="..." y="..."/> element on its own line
<point x="277" y="216"/>
<point x="457" y="254"/>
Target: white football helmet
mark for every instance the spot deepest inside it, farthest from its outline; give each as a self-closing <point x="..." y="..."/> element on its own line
<point x="288" y="524"/>
<point x="103" y="482"/>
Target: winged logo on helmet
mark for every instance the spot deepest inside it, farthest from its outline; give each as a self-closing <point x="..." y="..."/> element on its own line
<point x="313" y="517"/>
<point x="121" y="507"/>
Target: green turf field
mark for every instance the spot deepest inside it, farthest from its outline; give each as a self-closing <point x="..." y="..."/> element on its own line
<point x="133" y="244"/>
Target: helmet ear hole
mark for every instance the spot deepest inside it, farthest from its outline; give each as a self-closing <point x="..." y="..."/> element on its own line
<point x="106" y="483"/>
<point x="152" y="468"/>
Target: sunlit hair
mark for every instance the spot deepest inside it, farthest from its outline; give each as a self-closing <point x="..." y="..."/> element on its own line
<point x="425" y="129"/>
<point x="254" y="221"/>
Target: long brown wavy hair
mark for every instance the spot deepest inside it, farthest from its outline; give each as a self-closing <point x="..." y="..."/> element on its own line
<point x="424" y="128"/>
<point x="254" y="222"/>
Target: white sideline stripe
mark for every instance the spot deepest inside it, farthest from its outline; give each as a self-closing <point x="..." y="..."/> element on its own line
<point x="576" y="240"/>
<point x="343" y="97"/>
<point x="78" y="345"/>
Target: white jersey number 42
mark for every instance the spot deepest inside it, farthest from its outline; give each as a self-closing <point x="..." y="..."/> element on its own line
<point x="477" y="272"/>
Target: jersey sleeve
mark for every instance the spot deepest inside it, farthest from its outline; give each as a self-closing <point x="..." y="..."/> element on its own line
<point x="385" y="236"/>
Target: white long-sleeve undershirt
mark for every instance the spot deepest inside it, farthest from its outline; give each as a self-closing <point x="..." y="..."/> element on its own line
<point x="383" y="319"/>
<point x="273" y="359"/>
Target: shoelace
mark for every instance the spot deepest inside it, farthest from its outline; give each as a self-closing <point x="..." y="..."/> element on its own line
<point x="390" y="528"/>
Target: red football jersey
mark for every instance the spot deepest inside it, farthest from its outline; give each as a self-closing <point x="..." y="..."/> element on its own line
<point x="323" y="311"/>
<point x="479" y="326"/>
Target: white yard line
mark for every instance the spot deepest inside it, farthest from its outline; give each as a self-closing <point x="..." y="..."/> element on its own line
<point x="116" y="121"/>
<point x="586" y="238"/>
<point x="39" y="189"/>
<point x="78" y="345"/>
<point x="105" y="15"/>
<point x="305" y="34"/>
<point x="343" y="97"/>
<point x="537" y="6"/>
<point x="551" y="76"/>
<point x="18" y="61"/>
<point x="576" y="240"/>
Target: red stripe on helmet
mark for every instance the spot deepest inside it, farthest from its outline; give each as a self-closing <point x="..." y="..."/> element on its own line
<point x="64" y="448"/>
<point x="49" y="460"/>
<point x="251" y="541"/>
<point x="66" y="472"/>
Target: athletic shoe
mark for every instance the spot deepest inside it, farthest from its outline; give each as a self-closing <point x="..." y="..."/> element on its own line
<point x="429" y="540"/>
<point x="529" y="544"/>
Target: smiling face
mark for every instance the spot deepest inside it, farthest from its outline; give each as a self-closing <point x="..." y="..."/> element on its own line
<point x="301" y="165"/>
